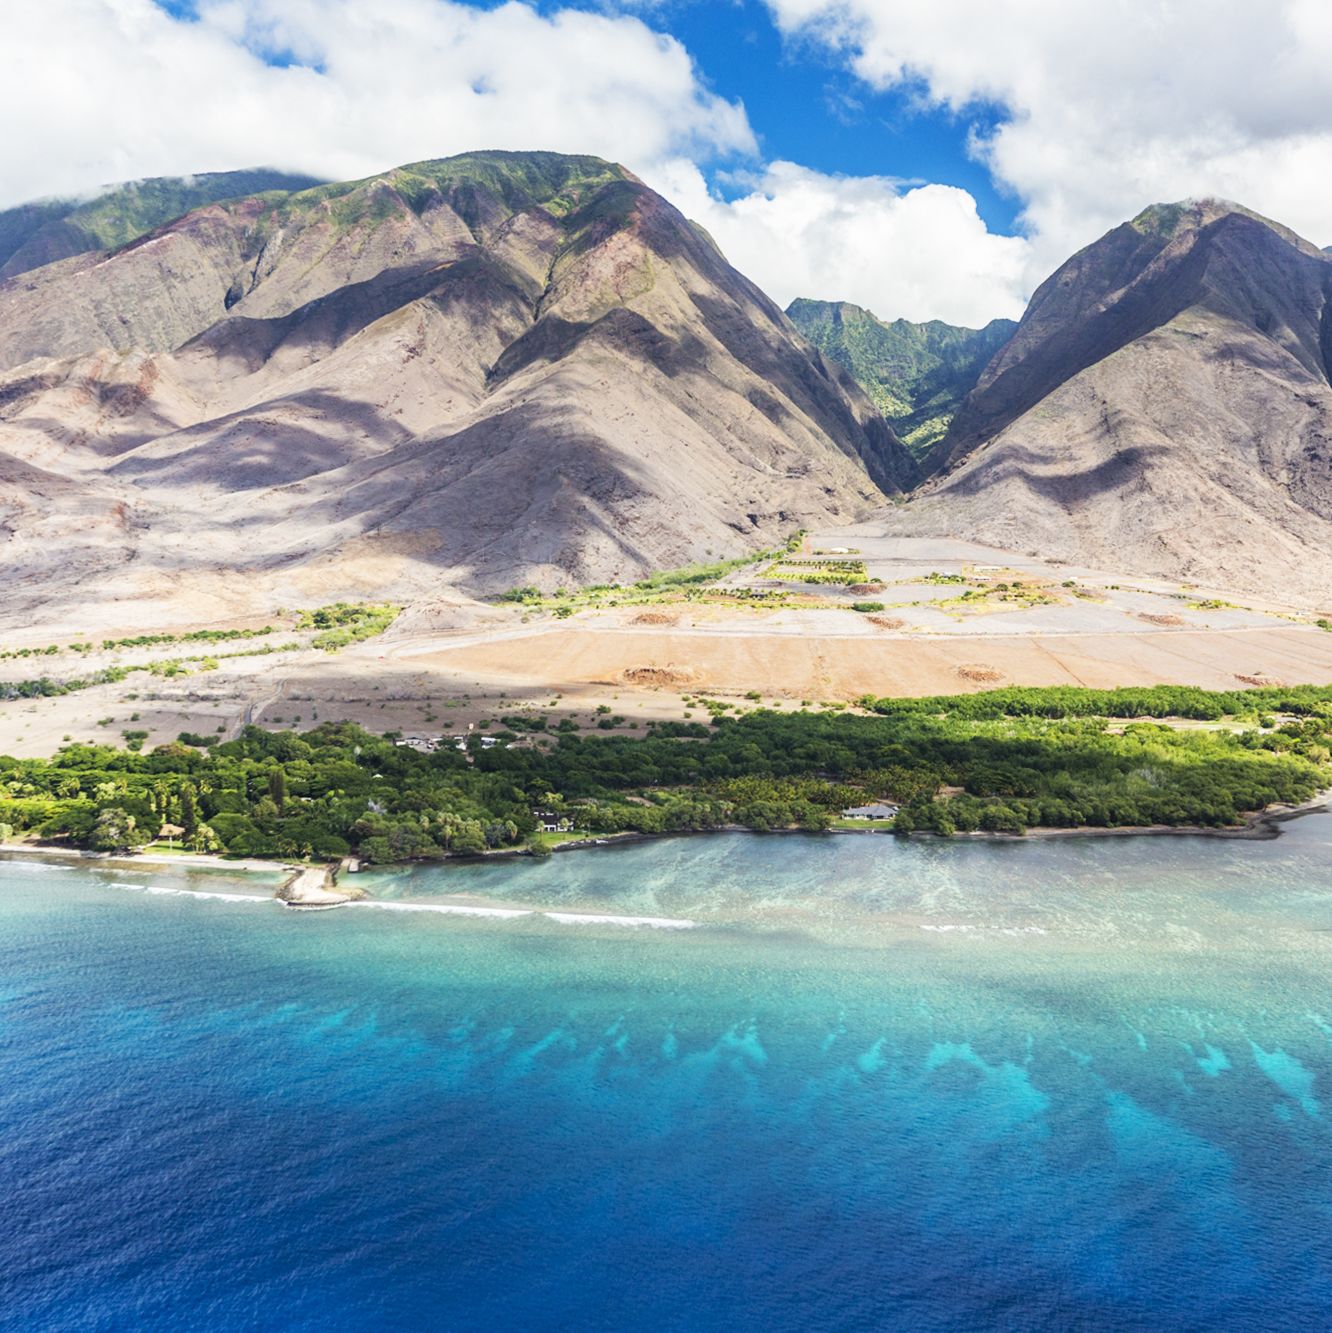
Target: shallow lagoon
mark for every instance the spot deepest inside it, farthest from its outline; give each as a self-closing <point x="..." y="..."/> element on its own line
<point x="1081" y="1082"/>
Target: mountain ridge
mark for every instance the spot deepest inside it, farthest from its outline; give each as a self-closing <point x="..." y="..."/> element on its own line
<point x="491" y="369"/>
<point x="1164" y="405"/>
<point x="46" y="230"/>
<point x="504" y="367"/>
<point x="1104" y="313"/>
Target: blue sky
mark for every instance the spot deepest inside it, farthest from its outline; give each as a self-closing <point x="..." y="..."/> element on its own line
<point x="802" y="102"/>
<point x="925" y="160"/>
<point x="806" y="107"/>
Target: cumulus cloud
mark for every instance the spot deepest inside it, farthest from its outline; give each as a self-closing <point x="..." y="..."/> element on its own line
<point x="918" y="253"/>
<point x="111" y="90"/>
<point x="1113" y="106"/>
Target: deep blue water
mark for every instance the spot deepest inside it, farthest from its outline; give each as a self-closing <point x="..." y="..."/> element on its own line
<point x="1079" y="1084"/>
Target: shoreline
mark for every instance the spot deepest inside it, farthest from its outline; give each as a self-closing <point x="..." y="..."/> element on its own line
<point x="189" y="860"/>
<point x="1261" y="826"/>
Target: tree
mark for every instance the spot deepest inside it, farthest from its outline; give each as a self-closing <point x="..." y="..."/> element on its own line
<point x="499" y="832"/>
<point x="113" y="831"/>
<point x="277" y="788"/>
<point x="189" y="809"/>
<point x="203" y="839"/>
<point x="265" y="810"/>
<point x="470" y="837"/>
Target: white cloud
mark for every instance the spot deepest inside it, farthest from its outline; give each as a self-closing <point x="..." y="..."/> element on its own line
<point x="918" y="253"/>
<point x="1116" y="105"/>
<point x="109" y="90"/>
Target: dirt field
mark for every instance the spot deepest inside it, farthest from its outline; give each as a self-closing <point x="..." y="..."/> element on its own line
<point x="447" y="668"/>
<point x="794" y="668"/>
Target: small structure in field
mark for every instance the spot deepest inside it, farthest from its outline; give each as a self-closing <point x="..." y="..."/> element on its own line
<point x="551" y="822"/>
<point x="878" y="810"/>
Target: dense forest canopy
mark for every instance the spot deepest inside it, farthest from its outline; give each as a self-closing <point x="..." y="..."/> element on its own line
<point x="1003" y="761"/>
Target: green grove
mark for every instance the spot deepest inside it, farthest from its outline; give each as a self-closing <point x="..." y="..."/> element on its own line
<point x="1002" y="761"/>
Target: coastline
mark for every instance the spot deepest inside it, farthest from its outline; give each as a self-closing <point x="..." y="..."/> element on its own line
<point x="1259" y="826"/>
<point x="189" y="860"/>
<point x="298" y="886"/>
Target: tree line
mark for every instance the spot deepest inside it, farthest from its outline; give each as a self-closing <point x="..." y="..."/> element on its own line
<point x="1008" y="760"/>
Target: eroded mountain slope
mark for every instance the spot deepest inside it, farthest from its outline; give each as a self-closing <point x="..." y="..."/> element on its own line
<point x="1164" y="407"/>
<point x="494" y="369"/>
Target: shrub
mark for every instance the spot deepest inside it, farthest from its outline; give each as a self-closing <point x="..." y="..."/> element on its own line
<point x="524" y="722"/>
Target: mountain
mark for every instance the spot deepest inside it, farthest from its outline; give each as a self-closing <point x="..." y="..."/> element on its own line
<point x="493" y="369"/>
<point x="916" y="374"/>
<point x="40" y="233"/>
<point x="1164" y="407"/>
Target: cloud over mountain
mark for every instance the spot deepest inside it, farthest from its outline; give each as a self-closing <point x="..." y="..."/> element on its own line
<point x="1104" y="108"/>
<point x="1080" y="114"/>
<point x="118" y="89"/>
<point x="917" y="251"/>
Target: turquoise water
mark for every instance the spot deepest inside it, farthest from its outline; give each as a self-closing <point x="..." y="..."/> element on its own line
<point x="852" y="1083"/>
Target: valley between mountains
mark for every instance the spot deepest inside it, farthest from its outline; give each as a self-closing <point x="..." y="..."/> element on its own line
<point x="595" y="472"/>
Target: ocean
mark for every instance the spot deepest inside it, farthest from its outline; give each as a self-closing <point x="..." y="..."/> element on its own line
<point x="725" y="1082"/>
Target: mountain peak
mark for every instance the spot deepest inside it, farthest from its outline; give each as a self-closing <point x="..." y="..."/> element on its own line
<point x="554" y="181"/>
<point x="1165" y="405"/>
<point x="1166" y="222"/>
<point x="495" y="369"/>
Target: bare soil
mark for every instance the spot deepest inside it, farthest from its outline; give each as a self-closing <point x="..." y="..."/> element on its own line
<point x="450" y="666"/>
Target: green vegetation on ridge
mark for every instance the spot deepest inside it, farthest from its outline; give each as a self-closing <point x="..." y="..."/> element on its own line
<point x="470" y="183"/>
<point x="37" y="233"/>
<point x="916" y="374"/>
<point x="43" y="231"/>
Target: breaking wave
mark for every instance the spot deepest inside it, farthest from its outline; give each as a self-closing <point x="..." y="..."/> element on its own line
<point x="162" y="890"/>
<point x="447" y="909"/>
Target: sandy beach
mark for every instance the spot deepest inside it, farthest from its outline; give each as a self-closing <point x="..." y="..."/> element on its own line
<point x="186" y="860"/>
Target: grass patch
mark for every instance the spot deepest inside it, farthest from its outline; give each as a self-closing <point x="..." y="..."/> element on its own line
<point x="343" y="623"/>
<point x="688" y="583"/>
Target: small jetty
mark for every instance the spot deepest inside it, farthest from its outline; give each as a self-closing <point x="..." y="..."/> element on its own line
<point x="315" y="888"/>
